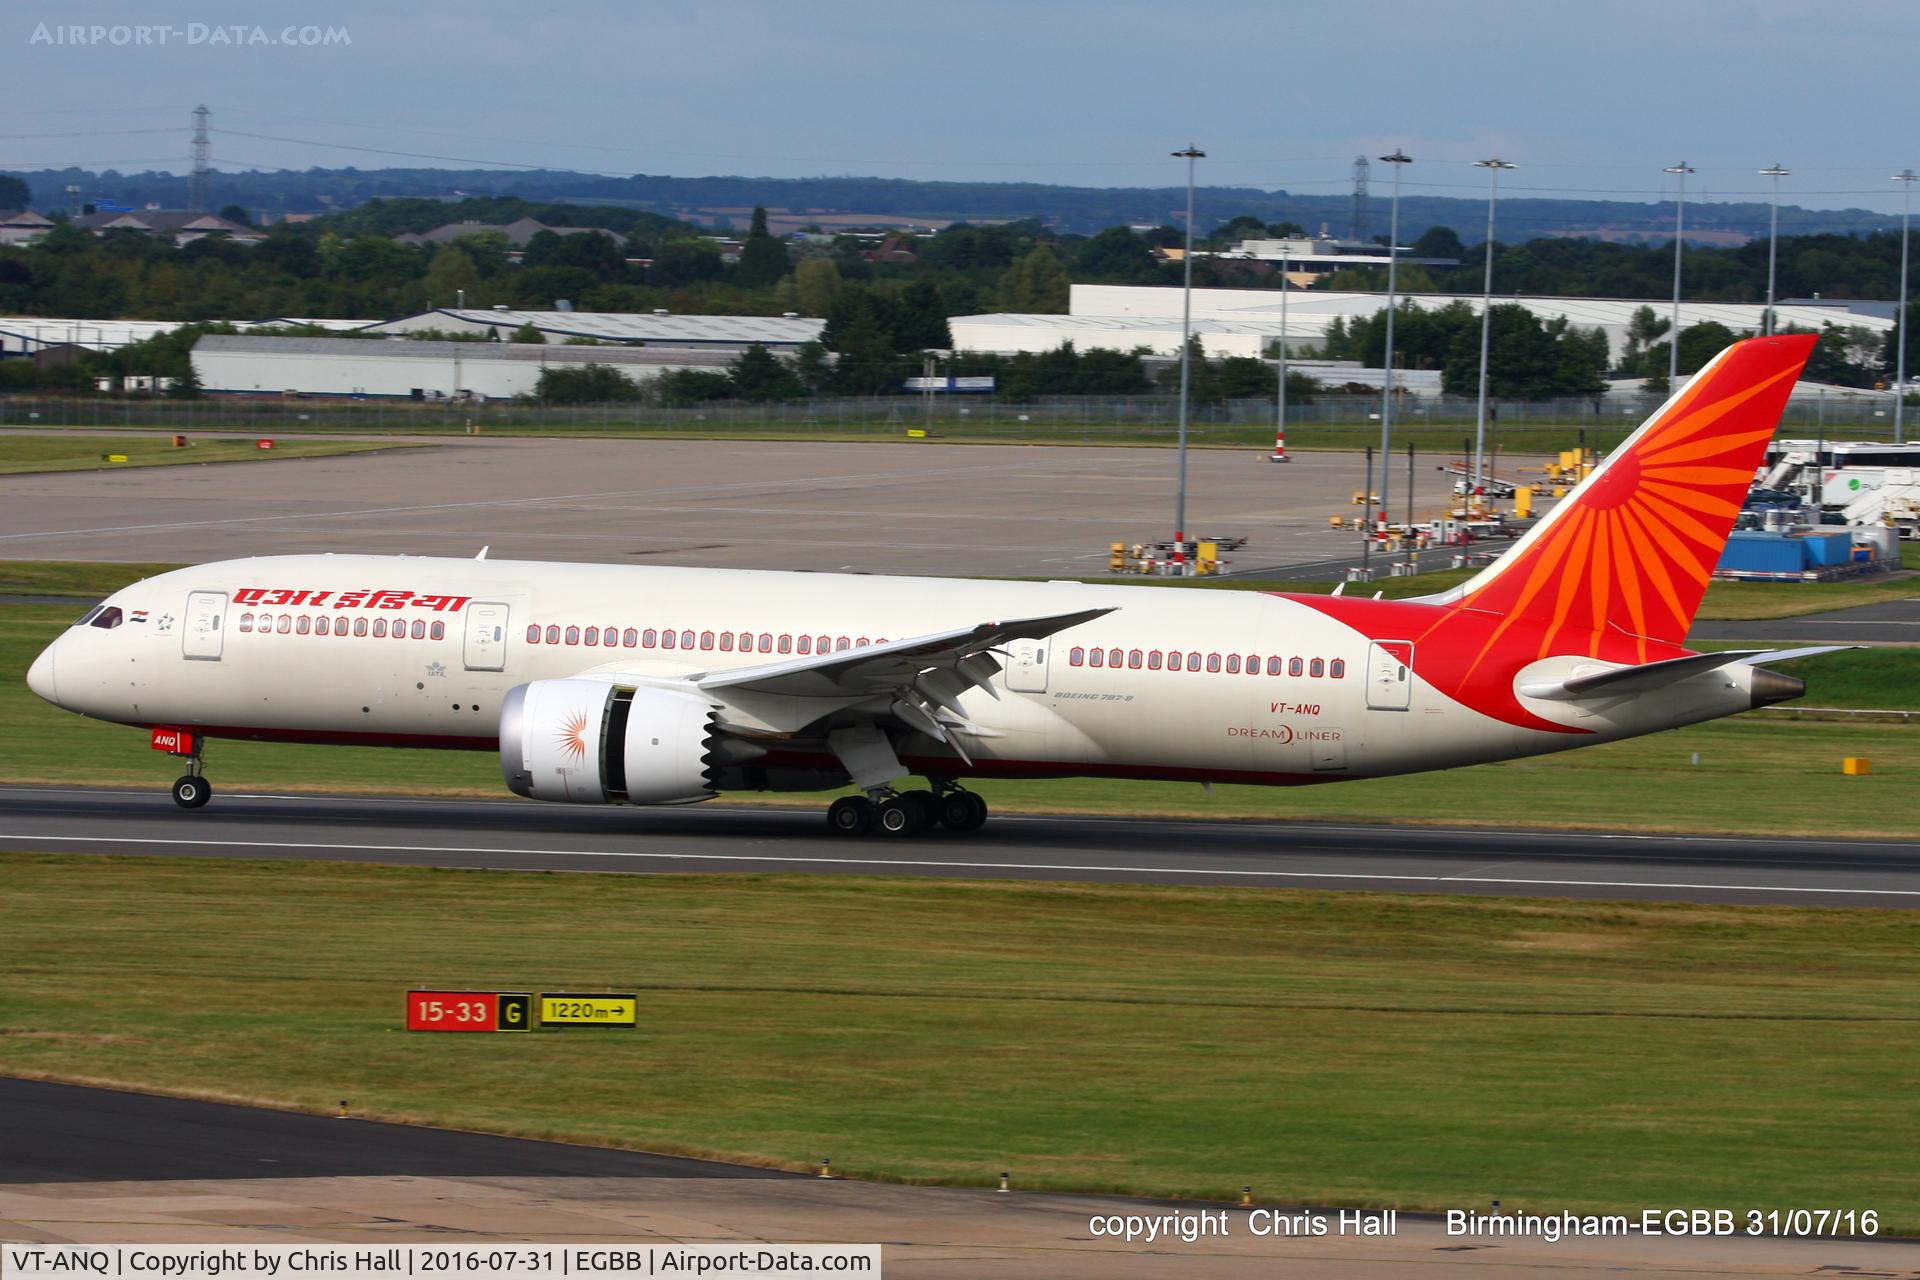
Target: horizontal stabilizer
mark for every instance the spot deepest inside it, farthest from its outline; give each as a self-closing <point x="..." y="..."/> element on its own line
<point x="1622" y="681"/>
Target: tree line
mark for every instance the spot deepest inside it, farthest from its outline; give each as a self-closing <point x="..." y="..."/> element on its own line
<point x="882" y="308"/>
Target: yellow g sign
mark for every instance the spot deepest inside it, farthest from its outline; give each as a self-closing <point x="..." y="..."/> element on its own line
<point x="516" y="1012"/>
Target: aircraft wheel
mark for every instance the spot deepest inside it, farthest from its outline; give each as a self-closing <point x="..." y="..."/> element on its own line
<point x="962" y="811"/>
<point x="979" y="819"/>
<point x="191" y="792"/>
<point x="851" y="815"/>
<point x="926" y="808"/>
<point x="899" y="817"/>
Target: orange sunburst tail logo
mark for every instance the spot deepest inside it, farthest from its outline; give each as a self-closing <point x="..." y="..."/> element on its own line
<point x="1632" y="548"/>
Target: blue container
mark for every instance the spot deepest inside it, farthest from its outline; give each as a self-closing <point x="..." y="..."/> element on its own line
<point x="1758" y="551"/>
<point x="1824" y="549"/>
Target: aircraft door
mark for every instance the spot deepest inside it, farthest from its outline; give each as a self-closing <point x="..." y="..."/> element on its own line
<point x="1390" y="675"/>
<point x="1027" y="665"/>
<point x="204" y="634"/>
<point x="486" y="641"/>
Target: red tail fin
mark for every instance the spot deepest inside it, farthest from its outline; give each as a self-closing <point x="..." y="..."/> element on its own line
<point x="1632" y="548"/>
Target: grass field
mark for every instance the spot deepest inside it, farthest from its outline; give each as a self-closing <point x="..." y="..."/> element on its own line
<point x="1747" y="766"/>
<point x="1324" y="1048"/>
<point x="24" y="454"/>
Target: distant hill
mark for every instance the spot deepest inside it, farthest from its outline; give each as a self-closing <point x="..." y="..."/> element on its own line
<point x="1083" y="210"/>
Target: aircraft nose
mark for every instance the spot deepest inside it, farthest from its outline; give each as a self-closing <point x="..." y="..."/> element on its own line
<point x="40" y="675"/>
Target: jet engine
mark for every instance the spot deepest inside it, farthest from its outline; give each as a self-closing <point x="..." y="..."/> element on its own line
<point x="592" y="742"/>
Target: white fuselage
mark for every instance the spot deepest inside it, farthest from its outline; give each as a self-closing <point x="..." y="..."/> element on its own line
<point x="421" y="652"/>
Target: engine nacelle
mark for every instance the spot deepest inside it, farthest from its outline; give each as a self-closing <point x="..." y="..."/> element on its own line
<point x="591" y="742"/>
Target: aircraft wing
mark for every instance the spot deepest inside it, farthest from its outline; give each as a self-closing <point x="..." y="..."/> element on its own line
<point x="916" y="682"/>
<point x="966" y="651"/>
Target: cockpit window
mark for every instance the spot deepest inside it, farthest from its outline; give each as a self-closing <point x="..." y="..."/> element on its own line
<point x="88" y="616"/>
<point x="107" y="618"/>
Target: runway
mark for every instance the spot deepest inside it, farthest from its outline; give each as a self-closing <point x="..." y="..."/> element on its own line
<point x="512" y="835"/>
<point x="1890" y="622"/>
<point x="66" y="1133"/>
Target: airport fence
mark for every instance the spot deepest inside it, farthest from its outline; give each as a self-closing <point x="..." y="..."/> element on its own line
<point x="1327" y="421"/>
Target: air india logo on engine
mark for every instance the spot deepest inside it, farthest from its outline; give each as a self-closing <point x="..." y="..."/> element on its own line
<point x="573" y="735"/>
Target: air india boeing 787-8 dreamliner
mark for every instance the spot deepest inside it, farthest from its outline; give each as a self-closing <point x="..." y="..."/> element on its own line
<point x="602" y="684"/>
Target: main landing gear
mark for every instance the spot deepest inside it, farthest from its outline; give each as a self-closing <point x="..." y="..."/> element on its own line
<point x="908" y="813"/>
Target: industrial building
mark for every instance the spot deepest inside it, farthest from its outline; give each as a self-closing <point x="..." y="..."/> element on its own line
<point x="27" y="335"/>
<point x="728" y="333"/>
<point x="399" y="368"/>
<point x="1247" y="321"/>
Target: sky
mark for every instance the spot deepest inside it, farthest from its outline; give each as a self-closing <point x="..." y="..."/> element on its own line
<point x="1590" y="99"/>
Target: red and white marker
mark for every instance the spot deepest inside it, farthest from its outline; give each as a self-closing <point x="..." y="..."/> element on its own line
<point x="1279" y="453"/>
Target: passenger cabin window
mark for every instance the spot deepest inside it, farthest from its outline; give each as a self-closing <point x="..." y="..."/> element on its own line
<point x="629" y="638"/>
<point x="1317" y="668"/>
<point x="1153" y="659"/>
<point x="553" y="635"/>
<point x="573" y="635"/>
<point x="322" y="625"/>
<point x="246" y="623"/>
<point x="706" y="639"/>
<point x="669" y="640"/>
<point x="419" y="628"/>
<point x="766" y="642"/>
<point x="1097" y="658"/>
<point x="1076" y="656"/>
<point x="1296" y="667"/>
<point x="592" y="637"/>
<point x="805" y="644"/>
<point x="1133" y="659"/>
<point x="282" y="625"/>
<point x="1233" y="664"/>
<point x="1213" y="662"/>
<point x="360" y="628"/>
<point x="533" y="633"/>
<point x="726" y="642"/>
<point x="1337" y="668"/>
<point x="649" y="638"/>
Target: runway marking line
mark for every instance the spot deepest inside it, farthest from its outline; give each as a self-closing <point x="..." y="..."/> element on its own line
<point x="955" y="865"/>
<point x="717" y="812"/>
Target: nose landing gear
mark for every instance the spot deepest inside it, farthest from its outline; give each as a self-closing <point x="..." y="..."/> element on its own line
<point x="191" y="791"/>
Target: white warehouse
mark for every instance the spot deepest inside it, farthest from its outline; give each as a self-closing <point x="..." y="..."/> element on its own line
<point x="736" y="333"/>
<point x="1234" y="322"/>
<point x="399" y="368"/>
